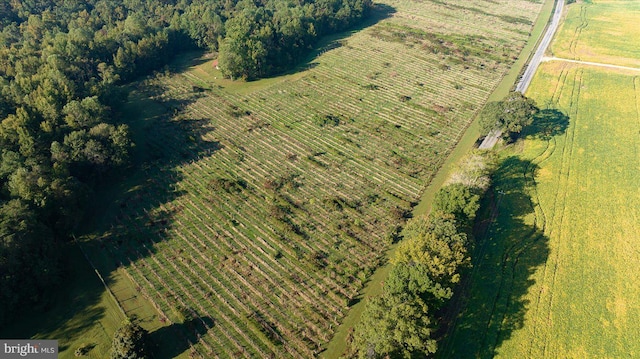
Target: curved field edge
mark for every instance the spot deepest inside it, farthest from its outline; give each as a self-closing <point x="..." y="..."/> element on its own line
<point x="256" y="216"/>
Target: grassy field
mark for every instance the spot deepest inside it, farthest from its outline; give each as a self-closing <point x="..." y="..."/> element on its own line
<point x="82" y="313"/>
<point x="255" y="213"/>
<point x="601" y="31"/>
<point x="554" y="277"/>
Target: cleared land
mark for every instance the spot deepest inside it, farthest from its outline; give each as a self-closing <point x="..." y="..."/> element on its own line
<point x="555" y="274"/>
<point x="600" y="31"/>
<point x="256" y="212"/>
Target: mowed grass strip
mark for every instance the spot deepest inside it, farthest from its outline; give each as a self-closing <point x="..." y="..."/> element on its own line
<point x="258" y="211"/>
<point x="600" y="31"/>
<point x="572" y="227"/>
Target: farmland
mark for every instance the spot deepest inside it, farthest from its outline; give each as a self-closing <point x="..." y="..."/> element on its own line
<point x="587" y="301"/>
<point x="255" y="212"/>
<point x="554" y="274"/>
<point x="600" y="31"/>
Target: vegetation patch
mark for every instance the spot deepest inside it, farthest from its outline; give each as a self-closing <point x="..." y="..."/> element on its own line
<point x="457" y="48"/>
<point x="426" y="268"/>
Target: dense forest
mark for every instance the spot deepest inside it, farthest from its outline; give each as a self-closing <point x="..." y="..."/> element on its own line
<point x="61" y="67"/>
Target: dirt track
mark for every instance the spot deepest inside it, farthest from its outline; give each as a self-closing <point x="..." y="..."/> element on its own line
<point x="610" y="66"/>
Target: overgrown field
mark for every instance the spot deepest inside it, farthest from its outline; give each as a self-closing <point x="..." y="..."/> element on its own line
<point x="255" y="213"/>
<point x="557" y="269"/>
<point x="600" y="31"/>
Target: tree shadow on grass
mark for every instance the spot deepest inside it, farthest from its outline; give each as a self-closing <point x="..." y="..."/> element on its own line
<point x="330" y="42"/>
<point x="164" y="140"/>
<point x="77" y="308"/>
<point x="70" y="312"/>
<point x="187" y="60"/>
<point x="492" y="302"/>
<point x="135" y="212"/>
<point x="163" y="343"/>
<point x="511" y="246"/>
<point x="547" y="124"/>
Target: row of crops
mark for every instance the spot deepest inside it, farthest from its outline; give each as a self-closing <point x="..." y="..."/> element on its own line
<point x="261" y="215"/>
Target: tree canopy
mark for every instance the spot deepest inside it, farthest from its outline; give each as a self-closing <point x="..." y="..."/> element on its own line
<point x="474" y="170"/>
<point x="130" y="342"/>
<point x="426" y="267"/>
<point x="263" y="39"/>
<point x="61" y="66"/>
<point x="459" y="200"/>
<point x="437" y="244"/>
<point x="396" y="325"/>
<point x="510" y="115"/>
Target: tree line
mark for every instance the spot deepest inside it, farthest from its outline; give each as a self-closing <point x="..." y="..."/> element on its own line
<point x="263" y="40"/>
<point x="426" y="268"/>
<point x="435" y="250"/>
<point x="61" y="134"/>
<point x="510" y="115"/>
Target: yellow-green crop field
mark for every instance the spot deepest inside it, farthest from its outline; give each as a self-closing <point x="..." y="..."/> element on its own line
<point x="556" y="275"/>
<point x="605" y="31"/>
<point x="585" y="302"/>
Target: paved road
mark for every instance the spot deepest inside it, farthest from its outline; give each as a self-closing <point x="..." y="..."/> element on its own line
<point x="542" y="48"/>
<point x="599" y="64"/>
<point x="494" y="135"/>
<point x="491" y="140"/>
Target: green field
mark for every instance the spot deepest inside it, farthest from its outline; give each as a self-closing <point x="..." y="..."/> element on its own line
<point x="600" y="31"/>
<point x="555" y="275"/>
<point x="82" y="313"/>
<point x="254" y="213"/>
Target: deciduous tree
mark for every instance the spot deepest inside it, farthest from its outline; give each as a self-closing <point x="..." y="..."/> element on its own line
<point x="459" y="200"/>
<point x="397" y="324"/>
<point x="130" y="342"/>
<point x="510" y="115"/>
<point x="436" y="243"/>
